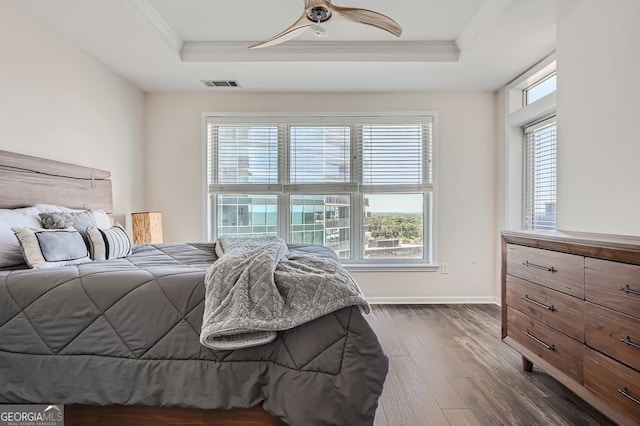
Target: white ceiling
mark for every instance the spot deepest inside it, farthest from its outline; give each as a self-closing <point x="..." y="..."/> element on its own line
<point x="171" y="45"/>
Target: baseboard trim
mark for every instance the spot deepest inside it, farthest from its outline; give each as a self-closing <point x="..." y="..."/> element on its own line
<point x="427" y="300"/>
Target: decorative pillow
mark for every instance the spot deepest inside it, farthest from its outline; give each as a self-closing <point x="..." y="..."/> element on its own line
<point x="60" y="220"/>
<point x="110" y="243"/>
<point x="58" y="217"/>
<point x="10" y="251"/>
<point x="46" y="248"/>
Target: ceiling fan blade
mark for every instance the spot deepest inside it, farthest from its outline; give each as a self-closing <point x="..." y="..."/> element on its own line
<point x="310" y="4"/>
<point x="300" y="26"/>
<point x="368" y="17"/>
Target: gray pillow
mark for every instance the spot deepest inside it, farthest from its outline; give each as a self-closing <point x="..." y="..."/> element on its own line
<point x="60" y="220"/>
<point x="45" y="248"/>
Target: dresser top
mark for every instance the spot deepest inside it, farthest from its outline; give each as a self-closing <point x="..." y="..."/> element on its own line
<point x="604" y="246"/>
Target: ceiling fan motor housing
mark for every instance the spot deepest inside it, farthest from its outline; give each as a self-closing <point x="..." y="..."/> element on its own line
<point x="319" y="14"/>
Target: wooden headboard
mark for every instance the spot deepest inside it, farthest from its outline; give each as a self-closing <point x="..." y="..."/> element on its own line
<point x="27" y="180"/>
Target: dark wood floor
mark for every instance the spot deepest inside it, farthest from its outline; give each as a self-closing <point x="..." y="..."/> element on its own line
<point x="448" y="366"/>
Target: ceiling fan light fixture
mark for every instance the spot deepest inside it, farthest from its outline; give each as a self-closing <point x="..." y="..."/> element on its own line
<point x="319" y="31"/>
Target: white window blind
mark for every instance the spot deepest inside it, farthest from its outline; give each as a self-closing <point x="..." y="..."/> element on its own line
<point x="243" y="154"/>
<point x="540" y="176"/>
<point x="396" y="154"/>
<point x="319" y="154"/>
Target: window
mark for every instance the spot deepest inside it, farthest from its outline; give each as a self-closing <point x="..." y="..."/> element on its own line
<point x="540" y="176"/>
<point x="362" y="186"/>
<point x="540" y="89"/>
<point x="530" y="136"/>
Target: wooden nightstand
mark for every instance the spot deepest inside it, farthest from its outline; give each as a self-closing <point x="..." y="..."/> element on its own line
<point x="147" y="227"/>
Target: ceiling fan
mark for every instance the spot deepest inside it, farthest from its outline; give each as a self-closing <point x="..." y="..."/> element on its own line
<point x="319" y="11"/>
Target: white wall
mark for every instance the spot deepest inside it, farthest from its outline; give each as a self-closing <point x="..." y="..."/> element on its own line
<point x="466" y="207"/>
<point x="501" y="187"/>
<point x="59" y="103"/>
<point x="598" y="114"/>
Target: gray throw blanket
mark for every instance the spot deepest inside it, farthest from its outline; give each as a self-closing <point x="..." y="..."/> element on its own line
<point x="254" y="290"/>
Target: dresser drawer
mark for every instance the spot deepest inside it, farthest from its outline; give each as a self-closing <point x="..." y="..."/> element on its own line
<point x="613" y="284"/>
<point x="613" y="333"/>
<point x="559" y="271"/>
<point x="558" y="310"/>
<point x="561" y="351"/>
<point x="614" y="383"/>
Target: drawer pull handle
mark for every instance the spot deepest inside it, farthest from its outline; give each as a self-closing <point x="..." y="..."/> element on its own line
<point x="544" y="268"/>
<point x="625" y="392"/>
<point x="526" y="298"/>
<point x="627" y="341"/>
<point x="628" y="290"/>
<point x="550" y="347"/>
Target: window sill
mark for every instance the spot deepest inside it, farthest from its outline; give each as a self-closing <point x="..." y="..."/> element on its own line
<point x="391" y="267"/>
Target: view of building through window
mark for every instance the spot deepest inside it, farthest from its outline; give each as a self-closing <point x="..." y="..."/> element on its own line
<point x="392" y="223"/>
<point x="247" y="215"/>
<point x="324" y="220"/>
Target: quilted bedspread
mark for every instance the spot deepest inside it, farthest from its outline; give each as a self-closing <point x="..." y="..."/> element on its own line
<point x="126" y="332"/>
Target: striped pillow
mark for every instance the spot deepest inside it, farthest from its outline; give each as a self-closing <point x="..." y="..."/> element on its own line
<point x="110" y="243"/>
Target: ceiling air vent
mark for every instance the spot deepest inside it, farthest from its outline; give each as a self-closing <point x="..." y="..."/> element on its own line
<point x="220" y="83"/>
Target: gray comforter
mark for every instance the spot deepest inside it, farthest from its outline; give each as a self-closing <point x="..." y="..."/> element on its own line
<point x="127" y="331"/>
<point x="257" y="288"/>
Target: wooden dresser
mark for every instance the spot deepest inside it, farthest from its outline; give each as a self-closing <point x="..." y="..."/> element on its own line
<point x="571" y="305"/>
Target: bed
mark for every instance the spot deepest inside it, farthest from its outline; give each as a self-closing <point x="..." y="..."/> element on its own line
<point x="117" y="341"/>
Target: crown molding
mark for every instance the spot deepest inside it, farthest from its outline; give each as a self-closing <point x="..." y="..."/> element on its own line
<point x="322" y="51"/>
<point x="488" y="13"/>
<point x="158" y="22"/>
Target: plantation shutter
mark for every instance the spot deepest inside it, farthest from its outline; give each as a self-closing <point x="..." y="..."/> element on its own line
<point x="540" y="176"/>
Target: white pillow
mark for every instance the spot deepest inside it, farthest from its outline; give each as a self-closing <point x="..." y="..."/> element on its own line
<point x="10" y="251"/>
<point x="102" y="218"/>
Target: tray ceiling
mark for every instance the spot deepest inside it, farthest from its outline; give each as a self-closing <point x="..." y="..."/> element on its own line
<point x="168" y="45"/>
